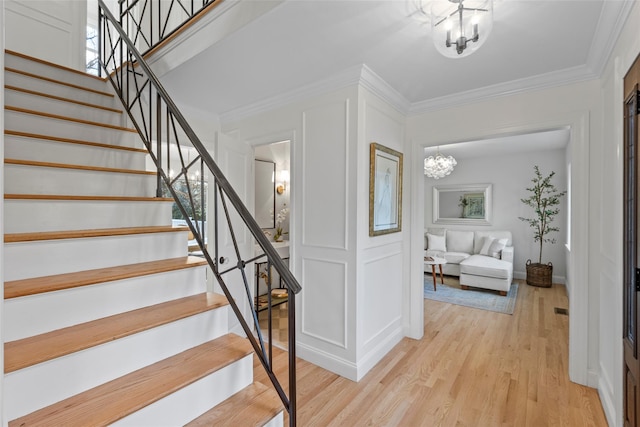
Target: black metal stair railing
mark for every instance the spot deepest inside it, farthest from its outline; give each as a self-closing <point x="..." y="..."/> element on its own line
<point x="162" y="127"/>
<point x="149" y="22"/>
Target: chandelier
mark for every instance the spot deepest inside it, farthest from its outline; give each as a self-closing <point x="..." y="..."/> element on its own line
<point x="460" y="27"/>
<point x="439" y="166"/>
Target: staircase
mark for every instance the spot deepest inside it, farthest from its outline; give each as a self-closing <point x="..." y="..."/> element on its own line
<point x="107" y="320"/>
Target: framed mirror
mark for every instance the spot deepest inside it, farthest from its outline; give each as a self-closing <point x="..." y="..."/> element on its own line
<point x="462" y="204"/>
<point x="265" y="197"/>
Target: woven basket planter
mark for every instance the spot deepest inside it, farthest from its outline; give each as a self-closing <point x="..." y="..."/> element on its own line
<point x="539" y="274"/>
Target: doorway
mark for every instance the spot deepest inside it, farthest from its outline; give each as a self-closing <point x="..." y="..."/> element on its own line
<point x="631" y="250"/>
<point x="577" y="244"/>
<point x="275" y="208"/>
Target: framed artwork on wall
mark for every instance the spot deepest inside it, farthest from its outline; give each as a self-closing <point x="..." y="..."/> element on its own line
<point x="385" y="190"/>
<point x="474" y="205"/>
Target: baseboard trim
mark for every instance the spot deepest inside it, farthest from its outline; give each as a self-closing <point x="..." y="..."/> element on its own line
<point x="605" y="391"/>
<point x="522" y="275"/>
<point x="352" y="371"/>
<point x="371" y="359"/>
<point x="327" y="361"/>
<point x="593" y="378"/>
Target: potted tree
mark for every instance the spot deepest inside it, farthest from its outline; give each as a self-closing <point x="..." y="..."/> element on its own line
<point x="544" y="200"/>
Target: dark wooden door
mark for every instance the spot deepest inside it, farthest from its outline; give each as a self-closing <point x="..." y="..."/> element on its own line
<point x="631" y="248"/>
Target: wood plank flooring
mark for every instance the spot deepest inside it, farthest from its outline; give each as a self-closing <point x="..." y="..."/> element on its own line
<point x="471" y="368"/>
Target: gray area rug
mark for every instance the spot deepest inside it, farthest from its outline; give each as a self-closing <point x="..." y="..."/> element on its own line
<point x="476" y="298"/>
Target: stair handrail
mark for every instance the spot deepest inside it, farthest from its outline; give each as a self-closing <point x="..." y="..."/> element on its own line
<point x="145" y="29"/>
<point x="236" y="201"/>
<point x="222" y="184"/>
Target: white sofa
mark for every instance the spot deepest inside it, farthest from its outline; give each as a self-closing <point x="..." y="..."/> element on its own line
<point x="481" y="258"/>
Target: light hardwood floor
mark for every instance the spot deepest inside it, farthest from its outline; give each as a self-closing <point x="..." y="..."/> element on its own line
<point x="471" y="368"/>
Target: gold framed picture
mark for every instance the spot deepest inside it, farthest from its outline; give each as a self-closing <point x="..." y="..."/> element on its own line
<point x="385" y="190"/>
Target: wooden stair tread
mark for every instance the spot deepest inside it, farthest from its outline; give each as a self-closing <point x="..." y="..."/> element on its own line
<point x="60" y="98"/>
<point x="70" y="119"/>
<point x="254" y="405"/>
<point x="85" y="198"/>
<point x="78" y="167"/>
<point x="50" y="80"/>
<point x="53" y="64"/>
<point x="72" y="141"/>
<point x="38" y="285"/>
<point x="30" y="351"/>
<point x="116" y="399"/>
<point x="99" y="232"/>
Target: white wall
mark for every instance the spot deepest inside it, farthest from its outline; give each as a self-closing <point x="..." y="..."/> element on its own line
<point x="53" y="30"/>
<point x="322" y="131"/>
<point x="349" y="313"/>
<point x="510" y="176"/>
<point x="606" y="233"/>
<point x="382" y="260"/>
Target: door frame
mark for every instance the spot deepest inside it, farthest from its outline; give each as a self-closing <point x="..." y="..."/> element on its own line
<point x="578" y="262"/>
<point x="271" y="138"/>
<point x="631" y="91"/>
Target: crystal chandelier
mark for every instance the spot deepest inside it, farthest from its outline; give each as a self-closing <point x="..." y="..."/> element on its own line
<point x="439" y="166"/>
<point x="460" y="27"/>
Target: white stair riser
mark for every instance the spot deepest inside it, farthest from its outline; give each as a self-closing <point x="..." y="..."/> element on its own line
<point x="42" y="150"/>
<point x="60" y="74"/>
<point x="33" y="123"/>
<point x="25" y="179"/>
<point x="277" y="421"/>
<point x="43" y="258"/>
<point x="51" y="88"/>
<point x="38" y="386"/>
<point x="36" y="314"/>
<point x="193" y="400"/>
<point x="69" y="109"/>
<point x="24" y="216"/>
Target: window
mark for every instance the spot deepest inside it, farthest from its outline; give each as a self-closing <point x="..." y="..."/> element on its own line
<point x="93" y="67"/>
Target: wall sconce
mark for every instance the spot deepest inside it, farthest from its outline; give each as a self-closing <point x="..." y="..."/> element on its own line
<point x="284" y="177"/>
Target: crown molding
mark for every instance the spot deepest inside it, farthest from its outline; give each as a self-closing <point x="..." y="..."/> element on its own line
<point x="378" y="86"/>
<point x="359" y="74"/>
<point x="612" y="19"/>
<point x="542" y="81"/>
<point x="348" y="77"/>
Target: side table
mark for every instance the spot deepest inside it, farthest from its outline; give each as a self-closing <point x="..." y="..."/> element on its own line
<point x="433" y="261"/>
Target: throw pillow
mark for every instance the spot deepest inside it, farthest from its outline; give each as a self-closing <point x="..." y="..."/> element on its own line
<point x="495" y="250"/>
<point x="460" y="241"/>
<point x="436" y="243"/>
<point x="486" y="244"/>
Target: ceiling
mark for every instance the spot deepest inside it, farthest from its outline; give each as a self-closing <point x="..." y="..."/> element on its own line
<point x="300" y="42"/>
<point x="548" y="140"/>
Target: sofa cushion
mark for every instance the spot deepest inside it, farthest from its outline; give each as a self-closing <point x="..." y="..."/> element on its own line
<point x="436" y="243"/>
<point x="480" y="265"/>
<point x="487" y="241"/>
<point x="455" y="257"/>
<point x="496" y="234"/>
<point x="460" y="241"/>
<point x="497" y="245"/>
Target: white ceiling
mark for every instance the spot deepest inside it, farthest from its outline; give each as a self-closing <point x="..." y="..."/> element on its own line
<point x="556" y="139"/>
<point x="534" y="43"/>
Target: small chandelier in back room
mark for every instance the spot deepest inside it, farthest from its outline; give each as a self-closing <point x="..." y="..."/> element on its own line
<point x="460" y="27"/>
<point x="439" y="166"/>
